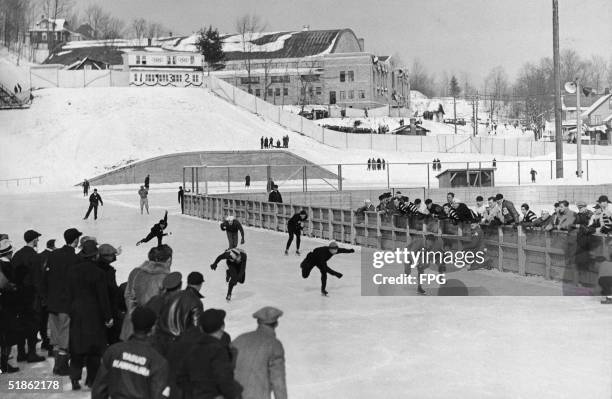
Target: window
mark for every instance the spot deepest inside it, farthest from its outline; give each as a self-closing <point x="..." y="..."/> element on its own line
<point x="143" y="60"/>
<point x="361" y="93"/>
<point x="596" y="119"/>
<point x="351" y="94"/>
<point x="258" y="92"/>
<point x="277" y="92"/>
<point x="285" y="91"/>
<point x="342" y="95"/>
<point x="192" y="60"/>
<point x="351" y="76"/>
<point x="196" y="78"/>
<point x="270" y="92"/>
<point x="342" y="76"/>
<point x="168" y="60"/>
<point x="280" y="79"/>
<point x="44" y="37"/>
<point x="137" y="59"/>
<point x="246" y="81"/>
<point x="318" y="90"/>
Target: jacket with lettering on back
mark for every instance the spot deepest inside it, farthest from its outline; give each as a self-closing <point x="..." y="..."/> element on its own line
<point x="131" y="370"/>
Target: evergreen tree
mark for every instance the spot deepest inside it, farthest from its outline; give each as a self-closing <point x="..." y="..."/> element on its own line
<point x="210" y="45"/>
<point x="455" y="89"/>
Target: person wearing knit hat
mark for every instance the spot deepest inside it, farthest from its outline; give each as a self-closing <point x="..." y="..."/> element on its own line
<point x="212" y="320"/>
<point x="260" y="364"/>
<point x="235" y="259"/>
<point x="318" y="258"/>
<point x="133" y="369"/>
<point x="51" y="244"/>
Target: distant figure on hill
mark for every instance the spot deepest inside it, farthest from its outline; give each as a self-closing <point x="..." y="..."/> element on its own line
<point x="146" y="182"/>
<point x="378" y="164"/>
<point x="247" y="181"/>
<point x="262" y="142"/>
<point x="533" y="174"/>
<point x="369" y="163"/>
<point x="85" y="188"/>
<point x="271" y="142"/>
<point x="383" y="163"/>
<point x="266" y="142"/>
<point x="277" y="143"/>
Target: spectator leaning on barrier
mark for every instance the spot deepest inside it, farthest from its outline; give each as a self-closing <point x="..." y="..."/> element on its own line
<point x="544" y="222"/>
<point x="508" y="212"/>
<point x="606" y="214"/>
<point x="480" y="207"/>
<point x="595" y="222"/>
<point x="462" y="212"/>
<point x="583" y="216"/>
<point x="528" y="216"/>
<point x="434" y="210"/>
<point x="367" y="207"/>
<point x="567" y="218"/>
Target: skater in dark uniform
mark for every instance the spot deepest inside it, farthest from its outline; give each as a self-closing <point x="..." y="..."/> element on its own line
<point x="247" y="181"/>
<point x="181" y="198"/>
<point x="533" y="174"/>
<point x="235" y="259"/>
<point x="85" y="188"/>
<point x="94" y="199"/>
<point x="146" y="182"/>
<point x="318" y="258"/>
<point x="294" y="228"/>
<point x="232" y="226"/>
<point x="157" y="231"/>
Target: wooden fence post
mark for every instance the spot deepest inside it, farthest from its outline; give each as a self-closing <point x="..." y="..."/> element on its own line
<point x="500" y="250"/>
<point x="520" y="248"/>
<point x="330" y="224"/>
<point x="547" y="270"/>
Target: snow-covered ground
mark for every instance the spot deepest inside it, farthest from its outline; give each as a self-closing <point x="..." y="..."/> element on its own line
<point x="352" y="346"/>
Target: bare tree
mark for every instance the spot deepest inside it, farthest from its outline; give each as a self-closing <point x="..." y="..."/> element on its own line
<point x="113" y="29"/>
<point x="155" y="29"/>
<point x="420" y="79"/>
<point x="248" y="27"/>
<point x="97" y="18"/>
<point x="596" y="70"/>
<point x="139" y="26"/>
<point x="497" y="84"/>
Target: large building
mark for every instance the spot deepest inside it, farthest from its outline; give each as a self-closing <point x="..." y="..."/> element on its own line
<point x="308" y="67"/>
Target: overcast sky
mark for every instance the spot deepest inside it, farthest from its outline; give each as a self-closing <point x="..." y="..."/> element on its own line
<point x="446" y="35"/>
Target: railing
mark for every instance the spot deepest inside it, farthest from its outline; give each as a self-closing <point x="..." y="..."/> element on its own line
<point x="526" y="252"/>
<point x="22" y="179"/>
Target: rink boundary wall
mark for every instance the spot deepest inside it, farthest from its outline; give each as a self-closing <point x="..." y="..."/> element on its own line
<point x="525" y="252"/>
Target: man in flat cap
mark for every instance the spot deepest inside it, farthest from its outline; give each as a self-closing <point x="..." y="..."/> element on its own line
<point x="44" y="317"/>
<point x="107" y="255"/>
<point x="54" y="291"/>
<point x="133" y="369"/>
<point x="260" y="365"/>
<point x="206" y="371"/>
<point x="27" y="278"/>
<point x="318" y="258"/>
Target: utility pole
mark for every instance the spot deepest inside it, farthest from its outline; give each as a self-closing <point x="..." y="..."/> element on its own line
<point x="557" y="74"/>
<point x="455" y="112"/>
<point x="578" y="131"/>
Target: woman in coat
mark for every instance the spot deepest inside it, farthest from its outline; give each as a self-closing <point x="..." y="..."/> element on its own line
<point x="90" y="316"/>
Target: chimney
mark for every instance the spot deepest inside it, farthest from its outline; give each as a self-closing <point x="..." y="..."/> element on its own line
<point x="149" y="42"/>
<point x="305" y="28"/>
<point x="361" y="41"/>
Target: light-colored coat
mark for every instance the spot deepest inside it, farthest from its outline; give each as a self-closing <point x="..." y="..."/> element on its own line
<point x="143" y="284"/>
<point x="260" y="364"/>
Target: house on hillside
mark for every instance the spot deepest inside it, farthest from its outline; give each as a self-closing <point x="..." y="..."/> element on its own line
<point x="568" y="110"/>
<point x="49" y="29"/>
<point x="83" y="32"/>
<point x="597" y="119"/>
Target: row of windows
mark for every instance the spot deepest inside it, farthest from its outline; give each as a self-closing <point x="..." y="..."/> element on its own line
<point x="273" y="92"/>
<point x="256" y="79"/>
<point x="351" y="94"/>
<point x="166" y="77"/>
<point x="348" y="76"/>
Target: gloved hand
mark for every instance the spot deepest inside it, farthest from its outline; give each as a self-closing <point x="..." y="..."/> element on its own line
<point x="351" y="250"/>
<point x="242" y="242"/>
<point x="213" y="267"/>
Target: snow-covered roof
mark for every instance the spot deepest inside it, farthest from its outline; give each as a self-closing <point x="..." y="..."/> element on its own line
<point x="596" y="105"/>
<point x="59" y="25"/>
<point x="291" y="44"/>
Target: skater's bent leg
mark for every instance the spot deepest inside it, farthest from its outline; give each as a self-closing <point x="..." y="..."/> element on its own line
<point x="332" y="272"/>
<point x="88" y="211"/>
<point x="297" y="240"/>
<point x="323" y="280"/>
<point x="290" y="240"/>
<point x="230" y="287"/>
<point x="95" y="212"/>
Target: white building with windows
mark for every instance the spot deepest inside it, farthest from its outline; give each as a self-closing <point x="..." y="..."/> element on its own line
<point x="157" y="67"/>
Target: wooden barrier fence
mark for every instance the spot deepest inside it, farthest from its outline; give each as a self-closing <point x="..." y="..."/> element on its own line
<point x="526" y="252"/>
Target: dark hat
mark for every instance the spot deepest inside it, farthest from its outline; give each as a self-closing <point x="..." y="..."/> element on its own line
<point x="333" y="244"/>
<point x="90" y="249"/>
<point x="581" y="204"/>
<point x="268" y="315"/>
<point x="603" y="198"/>
<point x="51" y="243"/>
<point x="30" y="235"/>
<point x="172" y="280"/>
<point x="4" y="236"/>
<point x="498" y="197"/>
<point x="143" y="318"/>
<point x="71" y="234"/>
<point x="195" y="278"/>
<point x="107" y="249"/>
<point x="87" y="238"/>
<point x="212" y="320"/>
<point x="5" y="247"/>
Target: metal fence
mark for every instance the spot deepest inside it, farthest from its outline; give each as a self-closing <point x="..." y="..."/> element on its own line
<point x="526" y="252"/>
<point x="21" y="181"/>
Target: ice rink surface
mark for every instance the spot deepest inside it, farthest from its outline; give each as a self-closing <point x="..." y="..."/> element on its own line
<point x="346" y="345"/>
